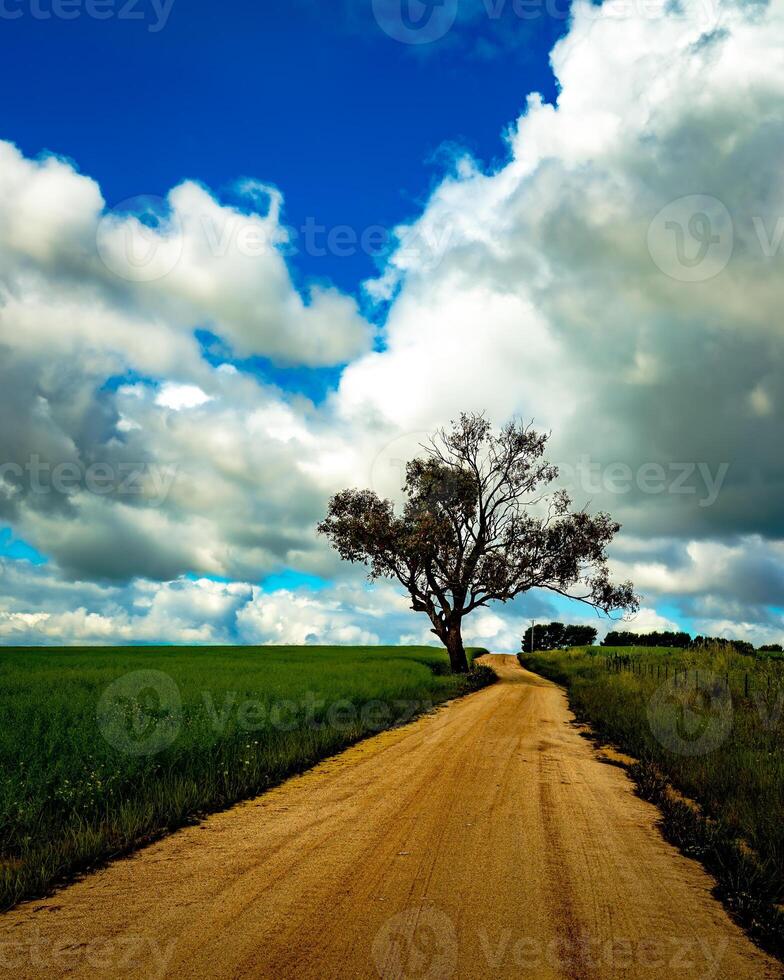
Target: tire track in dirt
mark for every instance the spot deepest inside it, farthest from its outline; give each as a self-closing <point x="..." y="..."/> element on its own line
<point x="484" y="840"/>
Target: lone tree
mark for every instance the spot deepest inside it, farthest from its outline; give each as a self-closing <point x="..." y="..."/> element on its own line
<point x="478" y="526"/>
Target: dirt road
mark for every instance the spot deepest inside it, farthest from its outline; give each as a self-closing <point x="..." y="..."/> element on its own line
<point x="486" y="840"/>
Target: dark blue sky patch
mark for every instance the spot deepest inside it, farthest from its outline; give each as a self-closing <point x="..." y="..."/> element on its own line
<point x="312" y="98"/>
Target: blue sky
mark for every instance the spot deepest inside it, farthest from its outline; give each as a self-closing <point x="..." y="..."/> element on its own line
<point x="12" y="547"/>
<point x="313" y="97"/>
<point x="354" y="126"/>
<point x="246" y="387"/>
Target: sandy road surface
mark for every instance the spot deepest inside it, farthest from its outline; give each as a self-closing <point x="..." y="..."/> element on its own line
<point x="486" y="840"/>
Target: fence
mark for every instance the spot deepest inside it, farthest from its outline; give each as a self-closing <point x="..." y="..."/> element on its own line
<point x="744" y="683"/>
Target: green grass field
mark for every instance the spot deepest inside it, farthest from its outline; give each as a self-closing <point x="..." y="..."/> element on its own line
<point x="102" y="749"/>
<point x="707" y="725"/>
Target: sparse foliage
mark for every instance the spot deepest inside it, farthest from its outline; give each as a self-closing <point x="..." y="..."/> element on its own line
<point x="478" y="526"/>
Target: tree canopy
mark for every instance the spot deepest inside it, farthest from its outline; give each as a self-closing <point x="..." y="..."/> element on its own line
<point x="478" y="525"/>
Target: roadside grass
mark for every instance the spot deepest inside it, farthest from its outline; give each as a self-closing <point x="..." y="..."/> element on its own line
<point x="707" y="729"/>
<point x="104" y="749"/>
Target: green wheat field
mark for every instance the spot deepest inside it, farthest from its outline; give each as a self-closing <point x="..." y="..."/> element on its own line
<point x="104" y="749"/>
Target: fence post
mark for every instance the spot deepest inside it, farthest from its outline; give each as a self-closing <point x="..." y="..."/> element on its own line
<point x="746" y="685"/>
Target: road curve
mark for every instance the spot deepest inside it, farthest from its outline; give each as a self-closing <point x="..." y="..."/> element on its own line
<point x="484" y="840"/>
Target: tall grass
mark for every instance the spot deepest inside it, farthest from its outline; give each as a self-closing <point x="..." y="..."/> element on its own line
<point x="707" y="725"/>
<point x="91" y="764"/>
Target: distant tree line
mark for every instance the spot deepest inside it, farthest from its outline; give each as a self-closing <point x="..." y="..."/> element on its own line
<point x="682" y="641"/>
<point x="557" y="636"/>
<point x="665" y="639"/>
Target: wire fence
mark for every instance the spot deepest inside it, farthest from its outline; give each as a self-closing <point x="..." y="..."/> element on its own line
<point x="768" y="679"/>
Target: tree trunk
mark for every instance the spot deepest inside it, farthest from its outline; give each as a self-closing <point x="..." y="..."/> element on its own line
<point x="457" y="655"/>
